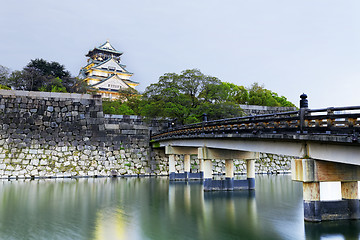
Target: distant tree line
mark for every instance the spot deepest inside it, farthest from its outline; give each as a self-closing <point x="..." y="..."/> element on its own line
<point x="183" y="97"/>
<point x="186" y="96"/>
<point x="41" y="75"/>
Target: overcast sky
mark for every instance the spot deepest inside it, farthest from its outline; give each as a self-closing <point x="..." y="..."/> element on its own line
<point x="290" y="46"/>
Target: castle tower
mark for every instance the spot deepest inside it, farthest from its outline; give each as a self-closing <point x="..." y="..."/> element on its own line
<point x="105" y="73"/>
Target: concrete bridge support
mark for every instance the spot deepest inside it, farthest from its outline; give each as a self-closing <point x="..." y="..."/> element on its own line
<point x="250" y="171"/>
<point x="205" y="157"/>
<point x="172" y="166"/>
<point x="187" y="165"/>
<point x="228" y="184"/>
<point x="312" y="172"/>
<point x="186" y="174"/>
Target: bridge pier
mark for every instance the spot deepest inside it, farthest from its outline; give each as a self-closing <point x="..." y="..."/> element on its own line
<point x="227" y="184"/>
<point x="312" y="172"/>
<point x="229" y="174"/>
<point x="172" y="167"/>
<point x="186" y="151"/>
<point x="201" y="166"/>
<point x="186" y="166"/>
<point x="250" y="172"/>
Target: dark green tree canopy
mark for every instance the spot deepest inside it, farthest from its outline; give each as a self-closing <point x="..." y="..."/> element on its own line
<point x="45" y="68"/>
<point x="127" y="104"/>
<point x="41" y="75"/>
<point x="186" y="96"/>
<point x="259" y="95"/>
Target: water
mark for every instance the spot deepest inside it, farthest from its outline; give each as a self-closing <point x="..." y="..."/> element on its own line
<point x="153" y="208"/>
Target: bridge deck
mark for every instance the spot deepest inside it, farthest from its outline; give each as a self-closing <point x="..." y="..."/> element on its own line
<point x="328" y="134"/>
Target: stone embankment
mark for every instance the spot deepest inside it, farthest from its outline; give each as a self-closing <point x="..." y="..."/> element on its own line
<point x="260" y="110"/>
<point x="68" y="135"/>
<point x="266" y="164"/>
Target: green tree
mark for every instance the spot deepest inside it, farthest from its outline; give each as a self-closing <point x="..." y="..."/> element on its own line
<point x="186" y="96"/>
<point x="127" y="104"/>
<point x="259" y="95"/>
<point x="45" y="68"/>
<point x="4" y="75"/>
<point x="117" y="107"/>
<point x="78" y="86"/>
<point x="53" y="85"/>
<point x="235" y="93"/>
<point x="41" y="75"/>
<point x="17" y="81"/>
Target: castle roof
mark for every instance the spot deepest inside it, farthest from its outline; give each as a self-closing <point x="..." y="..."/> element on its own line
<point x="118" y="67"/>
<point x="105" y="48"/>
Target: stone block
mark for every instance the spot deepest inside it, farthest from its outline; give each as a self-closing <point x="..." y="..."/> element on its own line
<point x="35" y="162"/>
<point x="33" y="151"/>
<point x="43" y="162"/>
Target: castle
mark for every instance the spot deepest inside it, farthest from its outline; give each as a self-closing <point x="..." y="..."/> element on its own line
<point x="105" y="73"/>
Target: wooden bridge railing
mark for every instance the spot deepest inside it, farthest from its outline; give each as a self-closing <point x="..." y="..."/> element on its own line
<point x="330" y="121"/>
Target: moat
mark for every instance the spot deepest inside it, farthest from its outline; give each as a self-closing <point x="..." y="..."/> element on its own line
<point x="154" y="208"/>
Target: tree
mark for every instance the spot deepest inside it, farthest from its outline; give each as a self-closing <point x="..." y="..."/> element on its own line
<point x="117" y="107"/>
<point x="17" y="81"/>
<point x="4" y="75"/>
<point x="259" y="95"/>
<point x="78" y="86"/>
<point x="53" y="85"/>
<point x="45" y="68"/>
<point x="128" y="94"/>
<point x="127" y="104"/>
<point x="41" y="75"/>
<point x="235" y="93"/>
<point x="186" y="96"/>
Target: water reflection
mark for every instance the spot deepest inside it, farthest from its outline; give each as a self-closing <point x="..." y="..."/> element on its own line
<point x="333" y="230"/>
<point x="154" y="208"/>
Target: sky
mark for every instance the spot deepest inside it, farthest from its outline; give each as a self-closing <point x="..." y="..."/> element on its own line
<point x="289" y="46"/>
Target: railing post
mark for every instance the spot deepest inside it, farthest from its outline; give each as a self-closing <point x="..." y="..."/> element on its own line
<point x="303" y="107"/>
<point x="204" y="120"/>
<point x="329" y="121"/>
<point x="204" y="117"/>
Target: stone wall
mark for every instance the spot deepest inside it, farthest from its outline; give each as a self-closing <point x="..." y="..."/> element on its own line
<point x="266" y="164"/>
<point x="260" y="110"/>
<point x="64" y="135"/>
<point x="67" y="135"/>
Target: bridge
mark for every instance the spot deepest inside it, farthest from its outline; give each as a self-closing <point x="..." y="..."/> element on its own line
<point x="325" y="142"/>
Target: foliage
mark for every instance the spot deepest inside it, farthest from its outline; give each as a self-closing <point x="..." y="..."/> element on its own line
<point x="235" y="93"/>
<point x="186" y="96"/>
<point x="258" y="95"/>
<point x="128" y="94"/>
<point x="116" y="107"/>
<point x="45" y="68"/>
<point x="53" y="85"/>
<point x="4" y="87"/>
<point x="41" y="75"/>
<point x="4" y="74"/>
<point x="127" y="104"/>
<point x="78" y="86"/>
